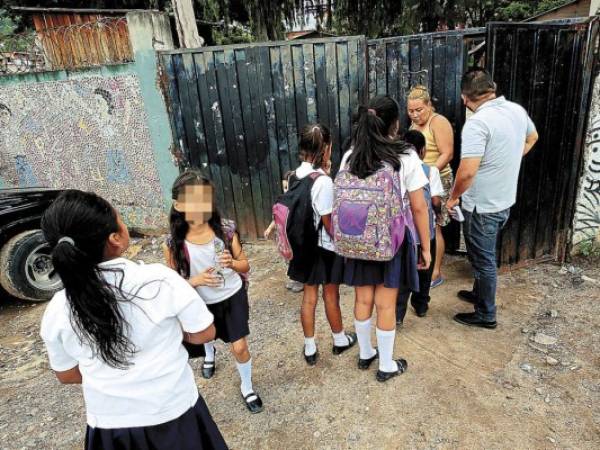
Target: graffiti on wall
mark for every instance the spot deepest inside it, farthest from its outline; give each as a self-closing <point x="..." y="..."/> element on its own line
<point x="587" y="213"/>
<point x="89" y="134"/>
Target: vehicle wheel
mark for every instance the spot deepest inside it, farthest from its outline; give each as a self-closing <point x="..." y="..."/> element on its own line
<point x="26" y="269"/>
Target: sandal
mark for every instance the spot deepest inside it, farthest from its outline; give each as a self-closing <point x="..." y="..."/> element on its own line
<point x="208" y="368"/>
<point x="254" y="406"/>
<point x="437" y="282"/>
<point x="384" y="376"/>
<point x="339" y="349"/>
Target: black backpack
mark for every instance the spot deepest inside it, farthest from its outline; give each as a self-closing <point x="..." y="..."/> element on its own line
<point x="297" y="236"/>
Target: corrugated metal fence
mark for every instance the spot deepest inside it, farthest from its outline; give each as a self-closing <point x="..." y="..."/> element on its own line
<point x="435" y="60"/>
<point x="237" y="109"/>
<point x="546" y="68"/>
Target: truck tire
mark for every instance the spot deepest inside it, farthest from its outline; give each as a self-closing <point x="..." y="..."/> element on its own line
<point x="26" y="270"/>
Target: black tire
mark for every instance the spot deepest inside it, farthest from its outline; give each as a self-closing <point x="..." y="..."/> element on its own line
<point x="26" y="270"/>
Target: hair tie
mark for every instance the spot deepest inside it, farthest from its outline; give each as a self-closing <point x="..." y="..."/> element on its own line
<point x="66" y="239"/>
<point x="372" y="111"/>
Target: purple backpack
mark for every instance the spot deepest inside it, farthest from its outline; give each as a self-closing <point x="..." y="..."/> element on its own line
<point x="369" y="215"/>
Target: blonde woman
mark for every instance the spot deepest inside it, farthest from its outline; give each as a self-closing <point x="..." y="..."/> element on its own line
<point x="439" y="151"/>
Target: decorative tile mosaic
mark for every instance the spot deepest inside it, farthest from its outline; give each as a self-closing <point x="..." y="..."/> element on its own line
<point x="88" y="134"/>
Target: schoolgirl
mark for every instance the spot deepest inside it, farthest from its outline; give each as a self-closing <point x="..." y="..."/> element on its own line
<point x="374" y="142"/>
<point x="206" y="250"/>
<point x="324" y="268"/>
<point x="433" y="193"/>
<point x="117" y="329"/>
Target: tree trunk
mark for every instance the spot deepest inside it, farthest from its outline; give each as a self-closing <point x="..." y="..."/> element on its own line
<point x="185" y="19"/>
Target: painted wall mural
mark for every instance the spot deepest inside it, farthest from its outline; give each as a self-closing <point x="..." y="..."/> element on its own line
<point x="587" y="213"/>
<point x="89" y="134"/>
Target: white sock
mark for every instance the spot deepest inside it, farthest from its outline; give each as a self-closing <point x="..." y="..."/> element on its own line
<point x="363" y="333"/>
<point x="310" y="346"/>
<point x="245" y="370"/>
<point x="385" y="344"/>
<point x="209" y="349"/>
<point x="340" y="339"/>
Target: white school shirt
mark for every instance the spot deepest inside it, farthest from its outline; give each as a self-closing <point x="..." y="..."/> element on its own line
<point x="435" y="182"/>
<point x="159" y="386"/>
<point x="322" y="200"/>
<point x="202" y="257"/>
<point x="496" y="133"/>
<point x="411" y="173"/>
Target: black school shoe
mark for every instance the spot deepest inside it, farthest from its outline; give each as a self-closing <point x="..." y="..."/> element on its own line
<point x="254" y="406"/>
<point x="421" y="311"/>
<point x="208" y="368"/>
<point x="312" y="359"/>
<point x="338" y="350"/>
<point x="468" y="296"/>
<point x="384" y="376"/>
<point x="472" y="320"/>
<point x="364" y="364"/>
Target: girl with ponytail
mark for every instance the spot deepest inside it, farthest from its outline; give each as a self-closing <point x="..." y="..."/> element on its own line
<point x="205" y="249"/>
<point x="117" y="329"/>
<point x="374" y="143"/>
<point x="313" y="186"/>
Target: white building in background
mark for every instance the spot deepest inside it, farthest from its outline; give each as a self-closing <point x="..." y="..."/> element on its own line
<point x="309" y="24"/>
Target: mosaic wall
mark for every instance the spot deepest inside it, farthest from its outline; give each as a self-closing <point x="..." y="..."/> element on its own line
<point x="89" y="134"/>
<point x="587" y="213"/>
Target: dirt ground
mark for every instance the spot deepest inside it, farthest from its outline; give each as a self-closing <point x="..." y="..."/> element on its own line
<point x="534" y="382"/>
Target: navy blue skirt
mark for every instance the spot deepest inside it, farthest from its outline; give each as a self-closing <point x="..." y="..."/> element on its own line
<point x="232" y="317"/>
<point x="326" y="268"/>
<point x="398" y="273"/>
<point x="193" y="430"/>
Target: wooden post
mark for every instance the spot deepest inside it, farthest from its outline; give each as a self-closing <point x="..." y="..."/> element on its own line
<point x="185" y="19"/>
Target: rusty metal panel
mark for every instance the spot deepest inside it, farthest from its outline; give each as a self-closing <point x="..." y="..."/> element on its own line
<point x="79" y="40"/>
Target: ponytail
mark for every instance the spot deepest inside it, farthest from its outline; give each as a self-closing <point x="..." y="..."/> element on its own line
<point x="372" y="145"/>
<point x="314" y="139"/>
<point x="78" y="225"/>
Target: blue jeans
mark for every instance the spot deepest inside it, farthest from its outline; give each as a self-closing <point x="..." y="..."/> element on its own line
<point x="481" y="235"/>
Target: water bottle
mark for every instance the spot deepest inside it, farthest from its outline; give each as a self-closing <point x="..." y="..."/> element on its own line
<point x="219" y="250"/>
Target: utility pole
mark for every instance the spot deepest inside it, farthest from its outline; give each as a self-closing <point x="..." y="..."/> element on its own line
<point x="185" y="20"/>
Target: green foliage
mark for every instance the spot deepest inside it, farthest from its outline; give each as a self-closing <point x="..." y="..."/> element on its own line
<point x="515" y="11"/>
<point x="546" y="5"/>
<point x="589" y="248"/>
<point x="7" y="24"/>
<point x="233" y="21"/>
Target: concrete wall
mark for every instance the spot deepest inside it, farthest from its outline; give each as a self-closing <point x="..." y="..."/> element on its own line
<point x="586" y="225"/>
<point x="102" y="129"/>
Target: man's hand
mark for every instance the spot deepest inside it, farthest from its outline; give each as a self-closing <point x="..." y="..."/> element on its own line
<point x="451" y="203"/>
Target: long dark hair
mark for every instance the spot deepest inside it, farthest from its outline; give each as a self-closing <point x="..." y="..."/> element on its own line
<point x="89" y="220"/>
<point x="371" y="143"/>
<point x="314" y="139"/>
<point x="179" y="227"/>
